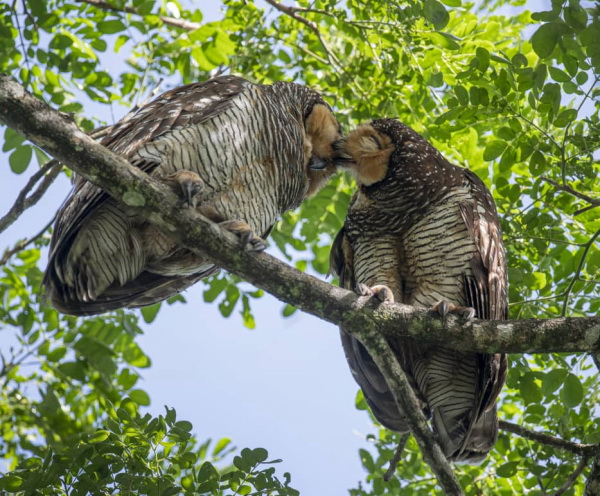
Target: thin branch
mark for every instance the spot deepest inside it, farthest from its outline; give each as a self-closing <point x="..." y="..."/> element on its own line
<point x="26" y="242"/>
<point x="49" y="172"/>
<point x="594" y="202"/>
<point x="583" y="463"/>
<point x="389" y="473"/>
<point x="549" y="440"/>
<point x="575" y="278"/>
<point x="170" y="21"/>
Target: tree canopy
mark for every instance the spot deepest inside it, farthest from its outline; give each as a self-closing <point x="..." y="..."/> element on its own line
<point x="509" y="93"/>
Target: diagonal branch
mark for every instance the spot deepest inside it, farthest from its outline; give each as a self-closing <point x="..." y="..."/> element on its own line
<point x="593" y="202"/>
<point x="549" y="440"/>
<point x="47" y="173"/>
<point x="359" y="316"/>
<point x="170" y="21"/>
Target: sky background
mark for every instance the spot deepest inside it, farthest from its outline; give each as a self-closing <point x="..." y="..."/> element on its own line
<point x="284" y="386"/>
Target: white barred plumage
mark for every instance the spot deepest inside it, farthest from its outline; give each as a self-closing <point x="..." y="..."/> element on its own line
<point x="243" y="153"/>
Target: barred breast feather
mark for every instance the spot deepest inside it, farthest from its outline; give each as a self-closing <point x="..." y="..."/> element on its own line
<point x="250" y="147"/>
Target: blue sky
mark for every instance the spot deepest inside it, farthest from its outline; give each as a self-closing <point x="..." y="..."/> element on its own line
<point x="284" y="386"/>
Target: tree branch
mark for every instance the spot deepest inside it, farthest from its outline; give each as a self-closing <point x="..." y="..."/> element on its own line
<point x="549" y="440"/>
<point x="593" y="202"/>
<point x="583" y="463"/>
<point x="26" y="242"/>
<point x="592" y="486"/>
<point x="60" y="137"/>
<point x="170" y="21"/>
<point x="49" y="172"/>
<point x="360" y="316"/>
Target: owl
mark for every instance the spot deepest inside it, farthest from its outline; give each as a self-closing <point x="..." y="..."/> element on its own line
<point x="239" y="153"/>
<point x="424" y="232"/>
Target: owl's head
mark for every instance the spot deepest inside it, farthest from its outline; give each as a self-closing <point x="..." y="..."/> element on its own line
<point x="322" y="132"/>
<point x="366" y="151"/>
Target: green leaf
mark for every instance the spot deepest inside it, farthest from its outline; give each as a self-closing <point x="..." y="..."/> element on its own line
<point x="184" y="425"/>
<point x="11" y="482"/>
<point x="149" y="313"/>
<point x="110" y="27"/>
<point x="507" y="469"/>
<point x="140" y="397"/>
<point x="19" y="159"/>
<point x="553" y="380"/>
<point x="558" y="75"/>
<point x="493" y="150"/>
<point x="537" y="163"/>
<point x="98" y="436"/>
<point x="571" y="393"/>
<point x="545" y="39"/>
<point x="436" y="13"/>
<point x="288" y="310"/>
<point x="221" y="445"/>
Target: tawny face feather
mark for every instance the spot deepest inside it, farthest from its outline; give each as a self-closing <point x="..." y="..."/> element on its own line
<point x="322" y="131"/>
<point x="370" y="153"/>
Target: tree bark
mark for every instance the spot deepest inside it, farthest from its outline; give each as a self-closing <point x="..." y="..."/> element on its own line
<point x="369" y="321"/>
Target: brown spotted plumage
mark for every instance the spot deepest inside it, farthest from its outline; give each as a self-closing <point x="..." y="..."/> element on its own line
<point x="239" y="153"/>
<point x="428" y="231"/>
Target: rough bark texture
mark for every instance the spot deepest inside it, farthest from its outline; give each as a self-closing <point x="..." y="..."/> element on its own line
<point x="364" y="318"/>
<point x="60" y="137"/>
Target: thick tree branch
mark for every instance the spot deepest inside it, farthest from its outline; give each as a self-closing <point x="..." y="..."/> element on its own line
<point x="363" y="318"/>
<point x="170" y="21"/>
<point x="61" y="138"/>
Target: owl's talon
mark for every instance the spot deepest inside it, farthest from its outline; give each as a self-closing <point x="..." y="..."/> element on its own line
<point x="443" y="308"/>
<point x="187" y="184"/>
<point x="249" y="240"/>
<point x="381" y="292"/>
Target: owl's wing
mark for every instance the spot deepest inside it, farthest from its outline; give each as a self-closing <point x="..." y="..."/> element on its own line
<point x="487" y="288"/>
<point x="486" y="292"/>
<point x="363" y="368"/>
<point x="183" y="106"/>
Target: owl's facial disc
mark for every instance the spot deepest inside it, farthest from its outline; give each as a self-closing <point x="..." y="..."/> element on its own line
<point x="322" y="131"/>
<point x="369" y="152"/>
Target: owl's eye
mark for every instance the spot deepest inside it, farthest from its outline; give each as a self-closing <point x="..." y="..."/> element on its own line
<point x="317" y="163"/>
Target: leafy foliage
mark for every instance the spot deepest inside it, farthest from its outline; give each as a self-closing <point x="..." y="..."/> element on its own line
<point x="514" y="97"/>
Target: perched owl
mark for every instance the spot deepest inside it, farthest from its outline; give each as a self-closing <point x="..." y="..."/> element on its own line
<point x="239" y="153"/>
<point x="424" y="232"/>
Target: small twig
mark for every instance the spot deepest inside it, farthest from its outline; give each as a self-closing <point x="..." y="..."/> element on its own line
<point x="575" y="278"/>
<point x="397" y="457"/>
<point x="583" y="463"/>
<point x="48" y="172"/>
<point x="549" y="440"/>
<point x="171" y="21"/>
<point x="25" y="243"/>
<point x="594" y="202"/>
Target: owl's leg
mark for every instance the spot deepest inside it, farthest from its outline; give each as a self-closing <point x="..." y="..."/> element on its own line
<point x="250" y="241"/>
<point x="186" y="184"/>
<point x="444" y="308"/>
<point x="381" y="292"/>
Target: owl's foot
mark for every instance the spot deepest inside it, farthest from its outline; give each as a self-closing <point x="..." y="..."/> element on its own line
<point x="250" y="241"/>
<point x="381" y="292"/>
<point x="443" y="308"/>
<point x="186" y="184"/>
